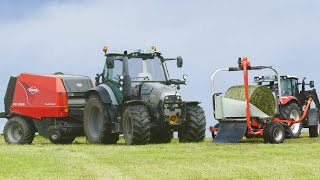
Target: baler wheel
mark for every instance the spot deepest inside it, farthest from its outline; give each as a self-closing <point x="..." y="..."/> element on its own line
<point x="195" y="126"/>
<point x="19" y="130"/>
<point x="136" y="125"/>
<point x="274" y="133"/>
<point x="97" y="122"/>
<point x="292" y="110"/>
<point x="56" y="137"/>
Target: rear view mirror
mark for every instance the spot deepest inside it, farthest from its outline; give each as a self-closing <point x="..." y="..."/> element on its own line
<point x="110" y="63"/>
<point x="311" y="84"/>
<point x="179" y="62"/>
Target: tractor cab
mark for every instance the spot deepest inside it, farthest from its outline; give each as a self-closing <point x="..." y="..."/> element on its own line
<point x="289" y="86"/>
<point x="140" y="97"/>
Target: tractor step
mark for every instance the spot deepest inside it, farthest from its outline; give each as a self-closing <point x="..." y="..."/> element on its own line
<point x="230" y="131"/>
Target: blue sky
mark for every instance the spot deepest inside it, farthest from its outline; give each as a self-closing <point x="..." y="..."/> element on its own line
<point x="48" y="36"/>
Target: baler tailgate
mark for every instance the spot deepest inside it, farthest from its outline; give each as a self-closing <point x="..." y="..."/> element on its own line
<point x="230" y="131"/>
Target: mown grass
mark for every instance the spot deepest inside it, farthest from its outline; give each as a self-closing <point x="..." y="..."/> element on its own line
<point x="295" y="159"/>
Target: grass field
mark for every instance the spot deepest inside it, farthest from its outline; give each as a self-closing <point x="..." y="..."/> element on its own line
<point x="295" y="159"/>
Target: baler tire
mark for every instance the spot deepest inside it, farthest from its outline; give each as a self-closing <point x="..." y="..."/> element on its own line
<point x="136" y="125"/>
<point x="59" y="139"/>
<point x="194" y="129"/>
<point x="25" y="129"/>
<point x="314" y="131"/>
<point x="274" y="133"/>
<point x="98" y="132"/>
<point x="161" y="135"/>
<point x="286" y="114"/>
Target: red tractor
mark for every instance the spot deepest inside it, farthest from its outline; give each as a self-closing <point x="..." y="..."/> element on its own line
<point x="294" y="98"/>
<point x="51" y="105"/>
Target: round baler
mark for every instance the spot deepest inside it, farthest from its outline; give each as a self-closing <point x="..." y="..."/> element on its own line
<point x="51" y="105"/>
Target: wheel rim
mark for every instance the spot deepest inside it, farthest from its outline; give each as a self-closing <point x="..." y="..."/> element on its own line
<point x="15" y="133"/>
<point x="95" y="121"/>
<point x="277" y="134"/>
<point x="296" y="116"/>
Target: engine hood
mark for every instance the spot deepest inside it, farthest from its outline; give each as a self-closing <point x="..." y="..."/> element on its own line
<point x="154" y="93"/>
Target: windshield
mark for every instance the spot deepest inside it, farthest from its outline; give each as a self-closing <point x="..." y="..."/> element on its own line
<point x="286" y="89"/>
<point x="139" y="70"/>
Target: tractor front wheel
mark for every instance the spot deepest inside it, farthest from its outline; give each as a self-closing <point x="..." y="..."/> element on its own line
<point x="292" y="111"/>
<point x="136" y="125"/>
<point x="194" y="129"/>
<point x="314" y="131"/>
<point x="274" y="133"/>
<point x="97" y="122"/>
<point x="19" y="130"/>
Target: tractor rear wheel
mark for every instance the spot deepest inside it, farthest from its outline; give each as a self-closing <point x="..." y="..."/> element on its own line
<point x="194" y="129"/>
<point x="161" y="135"/>
<point x="136" y="125"/>
<point x="293" y="111"/>
<point x="274" y="133"/>
<point x="19" y="130"/>
<point x="97" y="122"/>
<point x="314" y="131"/>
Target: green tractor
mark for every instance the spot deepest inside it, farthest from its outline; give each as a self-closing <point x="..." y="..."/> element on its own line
<point x="135" y="96"/>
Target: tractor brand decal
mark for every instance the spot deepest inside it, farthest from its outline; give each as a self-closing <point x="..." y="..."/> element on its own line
<point x="79" y="85"/>
<point x="33" y="90"/>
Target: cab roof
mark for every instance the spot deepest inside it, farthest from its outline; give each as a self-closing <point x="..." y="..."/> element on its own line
<point x="140" y="53"/>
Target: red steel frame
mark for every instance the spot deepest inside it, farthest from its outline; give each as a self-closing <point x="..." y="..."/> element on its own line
<point x="245" y="65"/>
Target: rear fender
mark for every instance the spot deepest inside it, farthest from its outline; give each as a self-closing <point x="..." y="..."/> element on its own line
<point x="105" y="93"/>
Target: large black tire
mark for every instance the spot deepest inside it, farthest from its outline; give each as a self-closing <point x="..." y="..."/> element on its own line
<point x="136" y="125"/>
<point x="274" y="133"/>
<point x="57" y="137"/>
<point x="314" y="131"/>
<point x="194" y="129"/>
<point x="19" y="130"/>
<point x="292" y="110"/>
<point x="97" y="122"/>
<point x="161" y="135"/>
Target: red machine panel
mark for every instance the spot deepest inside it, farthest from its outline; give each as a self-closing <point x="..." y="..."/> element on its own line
<point x="39" y="96"/>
